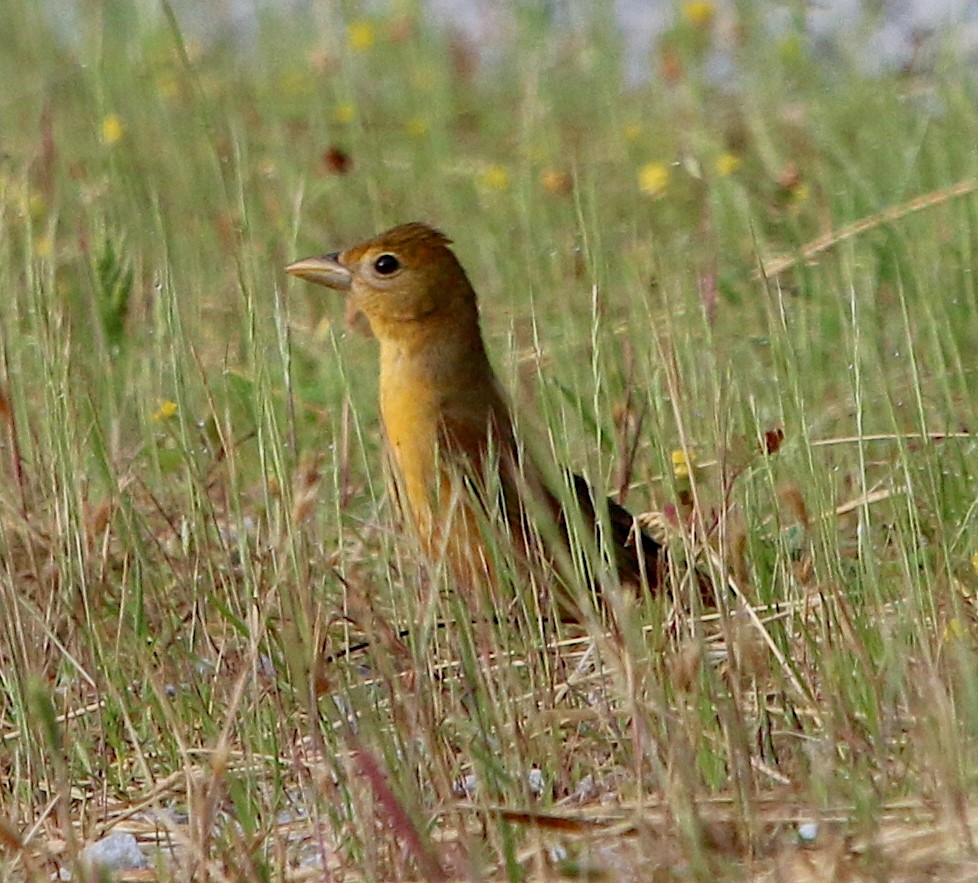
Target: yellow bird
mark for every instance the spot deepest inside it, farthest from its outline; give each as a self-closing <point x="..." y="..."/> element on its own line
<point x="448" y="422"/>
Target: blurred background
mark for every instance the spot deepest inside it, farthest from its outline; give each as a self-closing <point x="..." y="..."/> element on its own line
<point x="729" y="247"/>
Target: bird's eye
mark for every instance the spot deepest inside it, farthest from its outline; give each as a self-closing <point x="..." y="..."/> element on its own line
<point x="387" y="264"/>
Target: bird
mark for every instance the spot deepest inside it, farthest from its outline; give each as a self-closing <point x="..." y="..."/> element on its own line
<point x="459" y="468"/>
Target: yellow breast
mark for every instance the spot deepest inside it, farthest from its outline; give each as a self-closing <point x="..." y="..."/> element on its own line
<point x="428" y="479"/>
<point x="411" y="425"/>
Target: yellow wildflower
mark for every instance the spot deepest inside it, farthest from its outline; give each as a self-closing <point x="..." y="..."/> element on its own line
<point x="493" y="177"/>
<point x="727" y="164"/>
<point x="164" y="411"/>
<point x="653" y="178"/>
<point x="112" y="129"/>
<point x="344" y="113"/>
<point x="682" y="465"/>
<point x="699" y="13"/>
<point x="361" y="36"/>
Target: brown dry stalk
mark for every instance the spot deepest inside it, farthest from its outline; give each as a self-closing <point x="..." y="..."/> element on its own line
<point x="397" y="816"/>
<point x="776" y="267"/>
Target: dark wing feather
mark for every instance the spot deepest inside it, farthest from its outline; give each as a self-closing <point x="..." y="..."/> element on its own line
<point x="638" y="557"/>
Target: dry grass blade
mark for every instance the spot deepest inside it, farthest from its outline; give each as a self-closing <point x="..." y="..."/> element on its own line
<point x="813" y="249"/>
<point x="399" y="820"/>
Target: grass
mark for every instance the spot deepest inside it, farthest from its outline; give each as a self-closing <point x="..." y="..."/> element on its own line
<point x="194" y="522"/>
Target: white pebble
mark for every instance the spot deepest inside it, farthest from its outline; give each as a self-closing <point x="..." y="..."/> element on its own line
<point x="808" y="831"/>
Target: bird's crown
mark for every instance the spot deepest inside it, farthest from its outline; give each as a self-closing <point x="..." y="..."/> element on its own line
<point x="405" y="240"/>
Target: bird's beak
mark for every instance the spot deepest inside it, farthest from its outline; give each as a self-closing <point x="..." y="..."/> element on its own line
<point x="326" y="270"/>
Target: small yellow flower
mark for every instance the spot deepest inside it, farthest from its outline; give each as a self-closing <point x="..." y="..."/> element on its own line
<point x="653" y="179"/>
<point x="632" y="131"/>
<point x="344" y="113"/>
<point x="681" y="464"/>
<point x="974" y="562"/>
<point x="699" y="13"/>
<point x="416" y="127"/>
<point x="684" y="463"/>
<point x="727" y="164"/>
<point x="112" y="129"/>
<point x="164" y="411"/>
<point x="361" y="36"/>
<point x="493" y="177"/>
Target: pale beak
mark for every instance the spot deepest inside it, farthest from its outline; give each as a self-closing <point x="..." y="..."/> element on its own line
<point x="326" y="270"/>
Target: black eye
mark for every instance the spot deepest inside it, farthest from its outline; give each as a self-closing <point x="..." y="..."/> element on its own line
<point x="387" y="264"/>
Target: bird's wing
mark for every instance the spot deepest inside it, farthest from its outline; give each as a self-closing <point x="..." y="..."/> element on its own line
<point x="638" y="556"/>
<point x="486" y="449"/>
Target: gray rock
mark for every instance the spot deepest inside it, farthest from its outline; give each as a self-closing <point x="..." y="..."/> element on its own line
<point x="117" y="852"/>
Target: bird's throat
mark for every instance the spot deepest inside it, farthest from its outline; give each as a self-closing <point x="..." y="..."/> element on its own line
<point x="423" y="387"/>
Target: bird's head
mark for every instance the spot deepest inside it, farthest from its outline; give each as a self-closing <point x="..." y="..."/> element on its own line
<point x="405" y="276"/>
